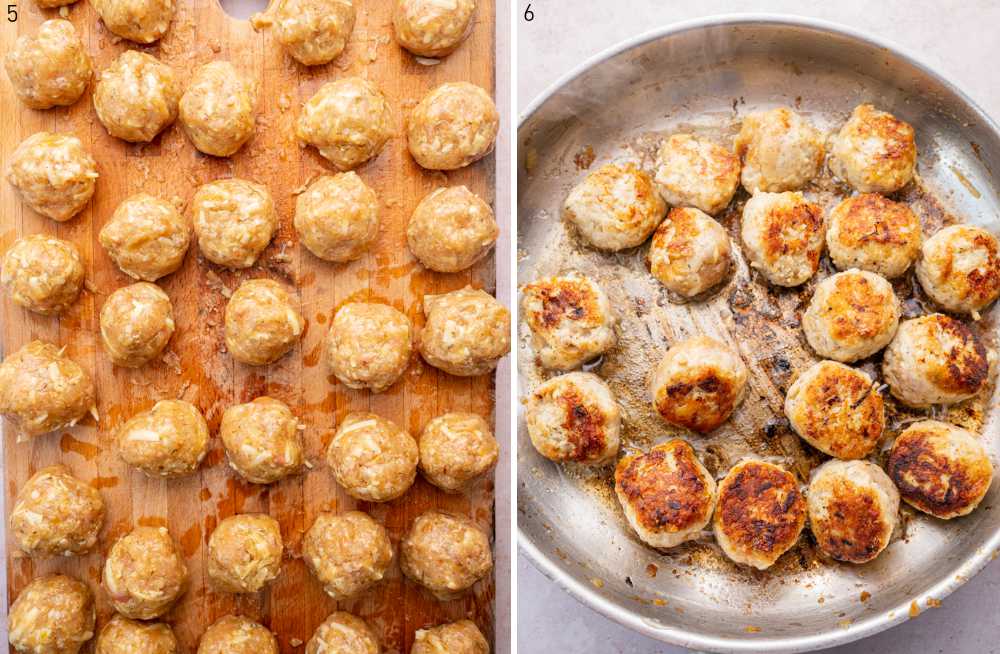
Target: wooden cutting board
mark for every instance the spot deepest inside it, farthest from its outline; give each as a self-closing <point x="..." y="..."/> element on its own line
<point x="197" y="369"/>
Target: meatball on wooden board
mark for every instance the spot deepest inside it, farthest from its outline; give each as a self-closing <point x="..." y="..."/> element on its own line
<point x="195" y="365"/>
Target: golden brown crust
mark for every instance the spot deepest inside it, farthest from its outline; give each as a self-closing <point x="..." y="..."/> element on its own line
<point x="966" y="368"/>
<point x="585" y="425"/>
<point x="789" y="232"/>
<point x="699" y="399"/>
<point x="854" y="529"/>
<point x="874" y="218"/>
<point x="855" y="311"/>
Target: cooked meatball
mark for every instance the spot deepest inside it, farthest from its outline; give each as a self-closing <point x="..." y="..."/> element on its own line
<point x="615" y="207"/>
<point x="313" y="32"/>
<point x="874" y="151"/>
<point x="369" y="345"/>
<point x="667" y="494"/>
<point x="137" y="321"/>
<point x="444" y="553"/>
<point x="871" y="232"/>
<point x="262" y="440"/>
<point x="262" y="325"/>
<point x="465" y="332"/>
<point x="935" y="359"/>
<point x="760" y="513"/>
<point x="52" y="615"/>
<point x="50" y="69"/>
<point x="343" y="633"/>
<point x="940" y="469"/>
<point x="959" y="268"/>
<point x="53" y="174"/>
<point x="692" y="172"/>
<point x="337" y="217"/>
<point x="374" y="459"/>
<point x="456" y="449"/>
<point x="144" y="573"/>
<point x="690" y="253"/>
<point x="462" y="637"/>
<point x="42" y="390"/>
<point x="234" y="634"/>
<point x="124" y="636"/>
<point x="169" y="440"/>
<point x="42" y="273"/>
<point x="146" y="237"/>
<point x="244" y="553"/>
<point x="431" y="28"/>
<point x="234" y="221"/>
<point x="142" y="21"/>
<point x="852" y="315"/>
<point x="453" y="126"/>
<point x="56" y="514"/>
<point x="781" y="151"/>
<point x="698" y="384"/>
<point x="574" y="417"/>
<point x="137" y="96"/>
<point x="347" y="553"/>
<point x="217" y="109"/>
<point x="348" y="121"/>
<point x="451" y="229"/>
<point x="783" y="235"/>
<point x="570" y="320"/>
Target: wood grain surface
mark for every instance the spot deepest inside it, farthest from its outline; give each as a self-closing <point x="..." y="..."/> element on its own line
<point x="197" y="369"/>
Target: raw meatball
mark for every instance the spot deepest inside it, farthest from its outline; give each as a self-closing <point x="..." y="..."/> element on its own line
<point x="343" y="633"/>
<point x="142" y="21"/>
<point x="262" y="440"/>
<point x="570" y="320"/>
<point x="698" y="384"/>
<point x="42" y="390"/>
<point x="781" y="151"/>
<point x="760" y="513"/>
<point x="783" y="234"/>
<point x="124" y="636"/>
<point x="261" y="323"/>
<point x="42" y="273"/>
<point x="936" y="359"/>
<point x="852" y="315"/>
<point x="336" y="218"/>
<point x="52" y="615"/>
<point x="959" y="268"/>
<point x="136" y="97"/>
<point x="465" y="333"/>
<point x="347" y="553"/>
<point x="51" y="68"/>
<point x="615" y="207"/>
<point x="368" y="345"/>
<point x="451" y="229"/>
<point x="144" y="573"/>
<point x="462" y="637"/>
<point x="146" y="237"/>
<point x="234" y="634"/>
<point x="137" y="321"/>
<point x="169" y="440"/>
<point x="217" y="109"/>
<point x="314" y="32"/>
<point x="372" y="458"/>
<point x="244" y="553"/>
<point x="456" y="449"/>
<point x="692" y="172"/>
<point x="690" y="253"/>
<point x="453" y="126"/>
<point x="234" y="221"/>
<point x="874" y="151"/>
<point x="871" y="232"/>
<point x="574" y="417"/>
<point x="446" y="554"/>
<point x="940" y="469"/>
<point x="667" y="494"/>
<point x="348" y="121"/>
<point x="431" y="28"/>
<point x="53" y="174"/>
<point x="56" y="514"/>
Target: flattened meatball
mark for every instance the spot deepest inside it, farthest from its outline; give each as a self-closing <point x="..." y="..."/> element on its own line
<point x="446" y="554"/>
<point x="574" y="417"/>
<point x="874" y="151"/>
<point x="348" y="121"/>
<point x="781" y="151"/>
<point x="142" y="21"/>
<point x="570" y="320"/>
<point x="667" y="494"/>
<point x="430" y="28"/>
<point x="262" y="440"/>
<point x="169" y="440"/>
<point x="615" y="207"/>
<point x="959" y="267"/>
<point x="369" y="345"/>
<point x="234" y="634"/>
<point x="451" y="229"/>
<point x="137" y="321"/>
<point x="217" y="109"/>
<point x="52" y="615"/>
<point x="313" y="32"/>
<point x="137" y="96"/>
<point x="42" y="274"/>
<point x="347" y="553"/>
<point x="698" y="384"/>
<point x="465" y="332"/>
<point x="343" y="633"/>
<point x="852" y="315"/>
<point x="244" y="553"/>
<point x="53" y="174"/>
<point x="374" y="459"/>
<point x="124" y="636"/>
<point x="690" y="253"/>
<point x="56" y="514"/>
<point x="462" y="637"/>
<point x="50" y="69"/>
<point x="760" y="513"/>
<point x="262" y="325"/>
<point x="337" y="217"/>
<point x="871" y="232"/>
<point x="146" y="237"/>
<point x="456" y="449"/>
<point x="783" y="235"/>
<point x="692" y="172"/>
<point x="144" y="573"/>
<point x="454" y="125"/>
<point x="234" y="221"/>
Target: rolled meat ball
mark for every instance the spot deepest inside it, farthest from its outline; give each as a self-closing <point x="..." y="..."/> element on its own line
<point x="261" y="324"/>
<point x="53" y="174"/>
<point x="690" y="253"/>
<point x="444" y="553"/>
<point x="451" y="229"/>
<point x="137" y="97"/>
<point x="374" y="459"/>
<point x="234" y="634"/>
<point x="348" y="121"/>
<point x="874" y="151"/>
<point x="51" y="68"/>
<point x="53" y="614"/>
<point x="169" y="440"/>
<point x="313" y="32"/>
<point x="146" y="237"/>
<point x="693" y="172"/>
<point x="959" y="268"/>
<point x="429" y="28"/>
<point x="337" y="217"/>
<point x="462" y="637"/>
<point x="570" y="319"/>
<point x="144" y="573"/>
<point x="369" y="345"/>
<point x="852" y="315"/>
<point x="263" y="440"/>
<point x="616" y="207"/>
<point x="873" y="233"/>
<point x="123" y="636"/>
<point x="244" y="553"/>
<point x="142" y="21"/>
<point x="466" y="332"/>
<point x="456" y="449"/>
<point x="453" y="126"/>
<point x="783" y="235"/>
<point x="56" y="514"/>
<point x="234" y="221"/>
<point x="343" y="633"/>
<point x="348" y="553"/>
<point x="42" y="274"/>
<point x="781" y="151"/>
<point x="137" y="322"/>
<point x="574" y="417"/>
<point x="217" y="109"/>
